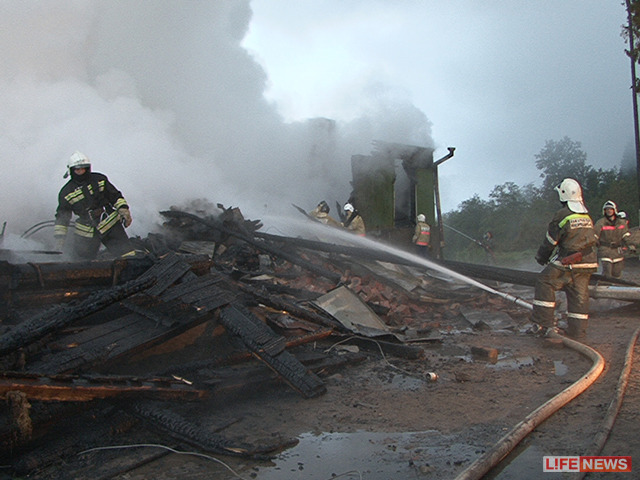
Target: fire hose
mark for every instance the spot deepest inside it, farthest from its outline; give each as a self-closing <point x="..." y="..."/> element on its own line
<point x="508" y="442"/>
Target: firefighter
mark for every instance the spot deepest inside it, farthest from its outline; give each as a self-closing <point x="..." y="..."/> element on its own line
<point x="569" y="255"/>
<point x="354" y="222"/>
<point x="612" y="233"/>
<point x="321" y="213"/>
<point x="101" y="210"/>
<point x="422" y="236"/>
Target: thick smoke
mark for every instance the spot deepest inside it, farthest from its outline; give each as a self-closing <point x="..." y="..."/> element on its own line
<point x="165" y="101"/>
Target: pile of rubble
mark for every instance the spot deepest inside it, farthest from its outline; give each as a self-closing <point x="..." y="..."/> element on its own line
<point x="90" y="349"/>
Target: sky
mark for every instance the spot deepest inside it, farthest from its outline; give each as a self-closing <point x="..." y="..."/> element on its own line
<point x="261" y="103"/>
<point x="495" y="79"/>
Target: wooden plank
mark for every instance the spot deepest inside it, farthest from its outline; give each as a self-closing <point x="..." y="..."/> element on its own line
<point x="111" y="341"/>
<point x="265" y="345"/>
<point x="181" y="289"/>
<point x="84" y="388"/>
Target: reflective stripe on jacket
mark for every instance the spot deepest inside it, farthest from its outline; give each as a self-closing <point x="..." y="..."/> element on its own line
<point x="96" y="204"/>
<point x="422" y="234"/>
<point x="569" y="233"/>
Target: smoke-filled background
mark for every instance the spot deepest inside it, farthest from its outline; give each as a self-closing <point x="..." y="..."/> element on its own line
<point x="164" y="100"/>
<point x="260" y="104"/>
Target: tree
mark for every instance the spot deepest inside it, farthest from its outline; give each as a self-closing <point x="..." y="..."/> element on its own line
<point x="562" y="159"/>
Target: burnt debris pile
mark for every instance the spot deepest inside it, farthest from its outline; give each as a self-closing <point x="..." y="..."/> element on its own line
<point x="95" y="353"/>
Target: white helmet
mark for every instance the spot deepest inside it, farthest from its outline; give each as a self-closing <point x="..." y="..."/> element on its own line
<point x="77" y="160"/>
<point x="348" y="207"/>
<point x="622" y="215"/>
<point x="610" y="204"/>
<point x="570" y="191"/>
<point x="422" y="218"/>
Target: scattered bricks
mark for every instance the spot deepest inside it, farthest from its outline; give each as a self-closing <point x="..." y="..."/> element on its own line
<point x="417" y="308"/>
<point x="484" y="353"/>
<point x="387" y="293"/>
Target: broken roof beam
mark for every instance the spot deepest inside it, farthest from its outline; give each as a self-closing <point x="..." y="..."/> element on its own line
<point x="280" y="304"/>
<point x="182" y="429"/>
<point x="270" y="348"/>
<point x="62" y="315"/>
<point x="71" y="388"/>
<point x="93" y="273"/>
<point x="152" y="322"/>
<point x="312" y="267"/>
<point x="47" y="283"/>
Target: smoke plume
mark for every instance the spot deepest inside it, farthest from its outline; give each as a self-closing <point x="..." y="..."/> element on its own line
<point x="164" y="100"/>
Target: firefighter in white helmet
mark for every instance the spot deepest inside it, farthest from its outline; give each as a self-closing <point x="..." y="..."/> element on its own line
<point x="353" y="222"/>
<point x="569" y="255"/>
<point x="612" y="233"/>
<point x="101" y="210"/>
<point x="422" y="236"/>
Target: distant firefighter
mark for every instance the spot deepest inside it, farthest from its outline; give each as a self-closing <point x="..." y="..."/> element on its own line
<point x="321" y="213"/>
<point x="422" y="236"/>
<point x="612" y="233"/>
<point x="354" y="222"/>
<point x="102" y="212"/>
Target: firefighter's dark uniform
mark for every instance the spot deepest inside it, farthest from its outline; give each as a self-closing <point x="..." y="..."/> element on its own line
<point x="612" y="235"/>
<point x="96" y="202"/>
<point x="572" y="237"/>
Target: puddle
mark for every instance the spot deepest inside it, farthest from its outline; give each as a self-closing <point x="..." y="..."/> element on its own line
<point x="512" y="363"/>
<point x="374" y="456"/>
<point x="526" y="465"/>
<point x="560" y="368"/>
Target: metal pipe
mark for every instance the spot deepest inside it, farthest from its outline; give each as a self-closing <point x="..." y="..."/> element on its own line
<point x="634" y="93"/>
<point x="436" y="192"/>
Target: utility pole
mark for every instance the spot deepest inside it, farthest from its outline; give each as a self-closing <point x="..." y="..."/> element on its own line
<point x="634" y="93"/>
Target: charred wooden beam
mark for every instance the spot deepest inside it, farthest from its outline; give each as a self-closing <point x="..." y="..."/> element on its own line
<point x="71" y="274"/>
<point x="115" y="340"/>
<point x="62" y="315"/>
<point x="243" y="356"/>
<point x="184" y="430"/>
<point x="82" y="388"/>
<point x="233" y="381"/>
<point x="268" y="347"/>
<point x="281" y="304"/>
<point x="310" y="266"/>
<point x="44" y="283"/>
<point x="153" y="321"/>
<point x="73" y="429"/>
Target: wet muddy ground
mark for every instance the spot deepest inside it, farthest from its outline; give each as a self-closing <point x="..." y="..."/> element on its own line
<point x="386" y="418"/>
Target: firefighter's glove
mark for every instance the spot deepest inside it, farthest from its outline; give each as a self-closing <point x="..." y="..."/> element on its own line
<point x="59" y="246"/>
<point x="125" y="216"/>
<point x="541" y="258"/>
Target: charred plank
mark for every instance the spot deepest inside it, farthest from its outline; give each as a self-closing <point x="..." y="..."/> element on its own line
<point x="62" y="315"/>
<point x="256" y="336"/>
<point x="281" y="304"/>
<point x="312" y="267"/>
<point x="184" y="430"/>
<point x="82" y="388"/>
